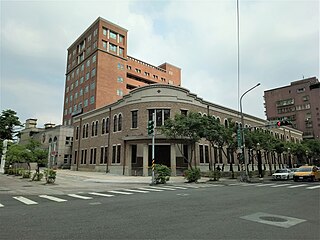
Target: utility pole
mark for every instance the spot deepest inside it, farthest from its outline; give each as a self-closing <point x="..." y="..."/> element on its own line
<point x="151" y="131"/>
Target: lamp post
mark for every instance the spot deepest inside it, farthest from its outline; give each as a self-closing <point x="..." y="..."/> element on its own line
<point x="242" y="130"/>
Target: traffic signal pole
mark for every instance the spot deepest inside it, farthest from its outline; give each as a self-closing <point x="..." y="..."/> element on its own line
<point x="153" y="141"/>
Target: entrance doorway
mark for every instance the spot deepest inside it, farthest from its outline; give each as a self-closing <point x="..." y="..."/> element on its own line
<point x="161" y="154"/>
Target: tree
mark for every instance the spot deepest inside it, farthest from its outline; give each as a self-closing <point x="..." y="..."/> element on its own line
<point x="187" y="128"/>
<point x="39" y="155"/>
<point x="8" y="121"/>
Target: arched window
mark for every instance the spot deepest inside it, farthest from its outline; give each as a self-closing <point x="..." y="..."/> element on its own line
<point x="226" y="123"/>
<point x="103" y="126"/>
<point x="107" y="125"/>
<point x="120" y="122"/>
<point x="96" y="129"/>
<point x="92" y="129"/>
<point x="87" y="130"/>
<point x="84" y="131"/>
<point x="115" y="123"/>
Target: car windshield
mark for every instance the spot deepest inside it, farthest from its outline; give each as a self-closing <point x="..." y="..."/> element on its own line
<point x="281" y="171"/>
<point x="306" y="169"/>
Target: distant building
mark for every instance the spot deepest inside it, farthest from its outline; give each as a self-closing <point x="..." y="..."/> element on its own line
<point x="298" y="102"/>
<point x="99" y="71"/>
<point x="114" y="137"/>
<point x="57" y="139"/>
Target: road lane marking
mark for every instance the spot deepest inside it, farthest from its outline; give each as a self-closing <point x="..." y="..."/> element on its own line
<point x="264" y="185"/>
<point x="151" y="189"/>
<point x="133" y="190"/>
<point x="25" y="200"/>
<point x="281" y="185"/>
<point x="101" y="194"/>
<point x="53" y="198"/>
<point x="79" y="196"/>
<point x="296" y="186"/>
<point x="191" y="186"/>
<point x="163" y="188"/>
<point x="314" y="187"/>
<point x="1" y="205"/>
<point x="119" y="192"/>
<point x="177" y="187"/>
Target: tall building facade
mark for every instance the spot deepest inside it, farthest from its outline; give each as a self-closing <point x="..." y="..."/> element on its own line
<point x="99" y="71"/>
<point x="298" y="102"/>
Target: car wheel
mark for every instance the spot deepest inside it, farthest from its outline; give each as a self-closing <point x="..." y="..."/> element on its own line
<point x="295" y="179"/>
<point x="312" y="179"/>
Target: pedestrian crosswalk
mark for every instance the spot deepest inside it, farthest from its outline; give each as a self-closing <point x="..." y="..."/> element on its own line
<point x="33" y="199"/>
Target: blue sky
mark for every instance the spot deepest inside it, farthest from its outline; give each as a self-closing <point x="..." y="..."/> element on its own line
<point x="279" y="43"/>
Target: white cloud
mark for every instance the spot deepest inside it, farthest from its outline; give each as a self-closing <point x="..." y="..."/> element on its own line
<point x="279" y="43"/>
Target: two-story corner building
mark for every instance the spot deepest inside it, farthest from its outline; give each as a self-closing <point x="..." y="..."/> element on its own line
<point x="99" y="71"/>
<point x="114" y="138"/>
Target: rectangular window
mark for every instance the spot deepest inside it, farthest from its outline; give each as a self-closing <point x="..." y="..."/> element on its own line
<point x="112" y="47"/>
<point x="118" y="153"/>
<point x="120" y="79"/>
<point x="105" y="161"/>
<point x="134" y="119"/>
<point x="87" y="75"/>
<point x="81" y="80"/>
<point x="206" y="154"/>
<point x="86" y="89"/>
<point x="184" y="112"/>
<point x="91" y="155"/>
<point x="92" y="86"/>
<point x="121" y="38"/>
<point x="94" y="58"/>
<point x="94" y="155"/>
<point x="92" y="100"/>
<point x="85" y="102"/>
<point x="119" y="92"/>
<point x="133" y="154"/>
<point x="104" y="31"/>
<point x="93" y="72"/>
<point x="121" y="52"/>
<point x="104" y="44"/>
<point x="101" y="154"/>
<point x="75" y="157"/>
<point x="113" y="35"/>
<point x="114" y="152"/>
<point x="201" y="153"/>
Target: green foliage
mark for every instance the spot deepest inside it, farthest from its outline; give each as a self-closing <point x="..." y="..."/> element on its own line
<point x="50" y="175"/>
<point x="214" y="175"/>
<point x="162" y="173"/>
<point x="26" y="173"/>
<point x="8" y="121"/>
<point x="192" y="175"/>
<point x="18" y="154"/>
<point x="37" y="176"/>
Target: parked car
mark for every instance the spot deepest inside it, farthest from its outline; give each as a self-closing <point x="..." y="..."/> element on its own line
<point x="311" y="173"/>
<point x="282" y="174"/>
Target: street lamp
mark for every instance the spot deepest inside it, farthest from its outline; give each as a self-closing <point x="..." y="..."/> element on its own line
<point x="242" y="130"/>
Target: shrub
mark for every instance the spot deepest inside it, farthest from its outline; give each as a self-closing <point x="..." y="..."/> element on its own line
<point x="162" y="173"/>
<point x="214" y="175"/>
<point x="25" y="173"/>
<point x="50" y="175"/>
<point x="37" y="176"/>
<point x="192" y="175"/>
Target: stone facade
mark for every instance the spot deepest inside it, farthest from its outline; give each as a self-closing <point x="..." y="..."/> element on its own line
<point x="114" y="138"/>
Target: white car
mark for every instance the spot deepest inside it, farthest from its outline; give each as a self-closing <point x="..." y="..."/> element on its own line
<point x="282" y="174"/>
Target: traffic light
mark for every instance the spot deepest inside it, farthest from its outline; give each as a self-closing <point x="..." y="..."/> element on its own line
<point x="150" y="127"/>
<point x="283" y="123"/>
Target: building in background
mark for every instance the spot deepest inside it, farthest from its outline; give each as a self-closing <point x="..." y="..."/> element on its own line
<point x="56" y="139"/>
<point x="298" y="102"/>
<point x="100" y="72"/>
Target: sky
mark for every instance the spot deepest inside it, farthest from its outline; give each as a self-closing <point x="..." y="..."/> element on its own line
<point x="278" y="44"/>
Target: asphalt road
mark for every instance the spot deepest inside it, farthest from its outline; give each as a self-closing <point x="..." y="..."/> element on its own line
<point x="273" y="210"/>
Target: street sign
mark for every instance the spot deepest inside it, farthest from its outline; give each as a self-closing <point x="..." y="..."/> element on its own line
<point x="239" y="138"/>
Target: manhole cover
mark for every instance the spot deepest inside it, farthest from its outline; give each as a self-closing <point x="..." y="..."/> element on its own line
<point x="273" y="219"/>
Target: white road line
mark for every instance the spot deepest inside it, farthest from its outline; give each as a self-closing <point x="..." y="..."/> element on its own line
<point x="151" y="189"/>
<point x="265" y="185"/>
<point x="281" y="185"/>
<point x="25" y="200"/>
<point x="100" y="194"/>
<point x="234" y="184"/>
<point x="163" y="188"/>
<point x="296" y="186"/>
<point x="177" y="187"/>
<point x="190" y="186"/>
<point x="133" y="190"/>
<point x="313" y="187"/>
<point x="79" y="196"/>
<point x="119" y="192"/>
<point x="1" y="205"/>
<point x="53" y="198"/>
<point x="216" y="185"/>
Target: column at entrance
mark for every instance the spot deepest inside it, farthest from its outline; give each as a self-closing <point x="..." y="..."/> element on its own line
<point x="145" y="160"/>
<point x="173" y="159"/>
<point x="128" y="160"/>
